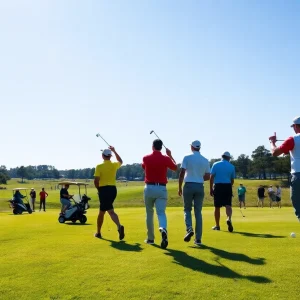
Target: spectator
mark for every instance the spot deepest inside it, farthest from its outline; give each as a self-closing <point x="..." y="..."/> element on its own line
<point x="32" y="198"/>
<point x="271" y="194"/>
<point x="278" y="196"/>
<point x="260" y="196"/>
<point x="242" y="194"/>
<point x="43" y="196"/>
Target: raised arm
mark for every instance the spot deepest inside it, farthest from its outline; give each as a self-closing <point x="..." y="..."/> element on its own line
<point x="172" y="165"/>
<point x="119" y="159"/>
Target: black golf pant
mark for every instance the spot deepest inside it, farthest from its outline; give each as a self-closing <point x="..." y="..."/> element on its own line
<point x="43" y="203"/>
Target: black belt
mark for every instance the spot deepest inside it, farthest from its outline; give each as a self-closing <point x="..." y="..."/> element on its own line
<point x="155" y="183"/>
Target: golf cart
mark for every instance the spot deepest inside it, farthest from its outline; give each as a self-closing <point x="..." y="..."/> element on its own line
<point x="78" y="210"/>
<point x="17" y="204"/>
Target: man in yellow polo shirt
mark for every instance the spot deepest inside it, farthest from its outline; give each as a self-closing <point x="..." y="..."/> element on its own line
<point x="105" y="183"/>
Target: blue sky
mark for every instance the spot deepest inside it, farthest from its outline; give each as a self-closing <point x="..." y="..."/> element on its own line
<point x="224" y="72"/>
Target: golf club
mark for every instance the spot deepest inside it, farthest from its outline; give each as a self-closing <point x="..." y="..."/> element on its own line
<point x="98" y="135"/>
<point x="242" y="213"/>
<point x="276" y="138"/>
<point x="152" y="131"/>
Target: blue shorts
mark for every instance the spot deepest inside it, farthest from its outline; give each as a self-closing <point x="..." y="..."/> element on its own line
<point x="65" y="202"/>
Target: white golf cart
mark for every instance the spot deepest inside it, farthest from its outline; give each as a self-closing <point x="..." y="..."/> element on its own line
<point x="17" y="204"/>
<point x="78" y="210"/>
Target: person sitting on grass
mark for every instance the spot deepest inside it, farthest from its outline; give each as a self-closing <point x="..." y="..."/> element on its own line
<point x="65" y="199"/>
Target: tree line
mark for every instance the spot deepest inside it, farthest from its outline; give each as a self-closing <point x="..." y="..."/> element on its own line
<point x="261" y="165"/>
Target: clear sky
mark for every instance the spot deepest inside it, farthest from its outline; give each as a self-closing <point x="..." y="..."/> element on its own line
<point x="224" y="72"/>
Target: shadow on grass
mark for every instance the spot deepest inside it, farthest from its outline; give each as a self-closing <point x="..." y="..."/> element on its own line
<point x="183" y="259"/>
<point x="234" y="256"/>
<point x="123" y="246"/>
<point x="259" y="235"/>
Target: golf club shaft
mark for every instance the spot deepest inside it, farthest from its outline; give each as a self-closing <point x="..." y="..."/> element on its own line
<point x="158" y="138"/>
<point x="276" y="138"/>
<point x="98" y="135"/>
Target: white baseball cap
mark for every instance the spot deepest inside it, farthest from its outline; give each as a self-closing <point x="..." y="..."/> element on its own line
<point x="196" y="144"/>
<point x="296" y="121"/>
<point x="226" y="153"/>
<point x="106" y="152"/>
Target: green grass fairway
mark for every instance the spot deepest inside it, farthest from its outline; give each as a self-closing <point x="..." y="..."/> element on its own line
<point x="131" y="195"/>
<point x="42" y="259"/>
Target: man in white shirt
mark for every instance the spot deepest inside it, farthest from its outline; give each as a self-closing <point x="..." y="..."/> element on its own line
<point x="292" y="146"/>
<point x="194" y="171"/>
<point x="278" y="196"/>
<point x="271" y="195"/>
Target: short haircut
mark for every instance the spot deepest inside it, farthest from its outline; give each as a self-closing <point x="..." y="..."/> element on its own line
<point x="226" y="157"/>
<point x="157" y="144"/>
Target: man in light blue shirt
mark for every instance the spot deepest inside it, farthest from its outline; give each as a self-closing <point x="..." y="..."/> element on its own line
<point x="221" y="180"/>
<point x="195" y="170"/>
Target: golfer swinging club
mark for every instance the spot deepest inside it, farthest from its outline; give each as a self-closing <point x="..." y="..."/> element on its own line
<point x="105" y="183"/>
<point x="155" y="192"/>
<point x="291" y="145"/>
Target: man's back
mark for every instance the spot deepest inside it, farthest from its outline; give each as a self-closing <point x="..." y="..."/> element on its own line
<point x="223" y="171"/>
<point x="261" y="192"/>
<point x="196" y="166"/>
<point x="107" y="172"/>
<point x="156" y="165"/>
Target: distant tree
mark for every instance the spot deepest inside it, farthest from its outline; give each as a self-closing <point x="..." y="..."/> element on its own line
<point x="262" y="160"/>
<point x="282" y="166"/>
<point x="213" y="160"/>
<point x="22" y="172"/>
<point x="92" y="173"/>
<point x="3" y="175"/>
<point x="55" y="174"/>
<point x="30" y="172"/>
<point x="242" y="164"/>
<point x="71" y="174"/>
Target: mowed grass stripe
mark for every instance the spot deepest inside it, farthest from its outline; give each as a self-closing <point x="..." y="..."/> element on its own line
<point x="42" y="259"/>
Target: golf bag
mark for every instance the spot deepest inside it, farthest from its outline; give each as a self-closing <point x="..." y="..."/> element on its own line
<point x="76" y="211"/>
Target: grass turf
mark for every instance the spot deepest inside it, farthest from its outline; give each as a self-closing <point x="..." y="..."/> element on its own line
<point x="42" y="259"/>
<point x="131" y="195"/>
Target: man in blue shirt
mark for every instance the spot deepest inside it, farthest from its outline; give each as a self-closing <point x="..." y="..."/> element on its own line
<point x="221" y="180"/>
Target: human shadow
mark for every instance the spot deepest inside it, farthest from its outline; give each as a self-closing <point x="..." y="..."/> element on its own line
<point x="123" y="246"/>
<point x="234" y="256"/>
<point x="183" y="259"/>
<point x="77" y="224"/>
<point x="259" y="235"/>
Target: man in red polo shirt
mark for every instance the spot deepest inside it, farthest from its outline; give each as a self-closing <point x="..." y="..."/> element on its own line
<point x="291" y="145"/>
<point x="155" y="192"/>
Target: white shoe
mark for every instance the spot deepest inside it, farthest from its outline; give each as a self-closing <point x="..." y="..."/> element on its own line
<point x="164" y="238"/>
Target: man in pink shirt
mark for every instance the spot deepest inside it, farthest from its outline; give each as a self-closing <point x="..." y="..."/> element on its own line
<point x="291" y="145"/>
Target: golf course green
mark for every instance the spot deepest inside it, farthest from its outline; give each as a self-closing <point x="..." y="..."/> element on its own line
<point x="43" y="259"/>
